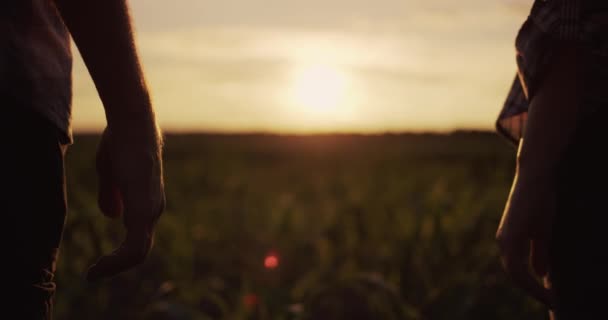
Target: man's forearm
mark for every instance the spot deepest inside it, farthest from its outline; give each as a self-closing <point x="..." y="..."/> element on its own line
<point x="103" y="34"/>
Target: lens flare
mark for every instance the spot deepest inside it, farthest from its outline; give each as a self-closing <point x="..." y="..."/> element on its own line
<point x="271" y="261"/>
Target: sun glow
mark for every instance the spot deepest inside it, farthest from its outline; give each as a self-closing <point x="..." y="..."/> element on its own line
<point x="319" y="88"/>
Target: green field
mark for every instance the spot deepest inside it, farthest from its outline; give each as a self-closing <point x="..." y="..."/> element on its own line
<point x="364" y="227"/>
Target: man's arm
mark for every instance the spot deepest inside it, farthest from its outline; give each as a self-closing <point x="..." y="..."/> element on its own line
<point x="129" y="161"/>
<point x="103" y="34"/>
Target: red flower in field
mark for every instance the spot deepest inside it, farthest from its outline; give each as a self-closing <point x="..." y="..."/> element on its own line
<point x="271" y="261"/>
<point x="250" y="300"/>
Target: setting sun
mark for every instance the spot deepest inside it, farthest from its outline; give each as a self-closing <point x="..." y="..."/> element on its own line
<point x="319" y="88"/>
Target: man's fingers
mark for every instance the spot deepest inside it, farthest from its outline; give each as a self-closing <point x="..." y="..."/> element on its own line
<point x="131" y="185"/>
<point x="131" y="253"/>
<point x="109" y="200"/>
<point x="143" y="205"/>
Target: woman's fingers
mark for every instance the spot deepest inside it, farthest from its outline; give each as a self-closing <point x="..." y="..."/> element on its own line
<point x="540" y="257"/>
<point x="524" y="279"/>
<point x="516" y="257"/>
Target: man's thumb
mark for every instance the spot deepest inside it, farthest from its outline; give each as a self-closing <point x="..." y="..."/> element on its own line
<point x="131" y="253"/>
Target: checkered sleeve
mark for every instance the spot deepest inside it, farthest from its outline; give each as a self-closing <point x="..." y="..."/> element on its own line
<point x="512" y="118"/>
<point x="548" y="20"/>
<point x="570" y="19"/>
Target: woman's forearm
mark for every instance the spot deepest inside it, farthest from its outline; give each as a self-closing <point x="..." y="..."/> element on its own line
<point x="553" y="117"/>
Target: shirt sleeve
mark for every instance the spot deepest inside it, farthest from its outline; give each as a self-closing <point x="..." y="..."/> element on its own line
<point x="570" y="20"/>
<point x="512" y="118"/>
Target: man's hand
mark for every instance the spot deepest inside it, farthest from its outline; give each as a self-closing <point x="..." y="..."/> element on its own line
<point x="129" y="160"/>
<point x="129" y="166"/>
<point x="523" y="237"/>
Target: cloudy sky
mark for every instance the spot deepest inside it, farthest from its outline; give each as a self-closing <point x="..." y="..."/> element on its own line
<point x="320" y="65"/>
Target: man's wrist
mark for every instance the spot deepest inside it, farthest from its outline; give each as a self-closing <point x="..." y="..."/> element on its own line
<point x="140" y="126"/>
<point x="127" y="121"/>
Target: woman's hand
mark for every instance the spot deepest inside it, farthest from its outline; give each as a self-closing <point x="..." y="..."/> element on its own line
<point x="524" y="234"/>
<point x="554" y="113"/>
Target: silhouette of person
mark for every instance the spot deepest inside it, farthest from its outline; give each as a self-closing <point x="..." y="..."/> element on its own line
<point x="35" y="90"/>
<point x="551" y="233"/>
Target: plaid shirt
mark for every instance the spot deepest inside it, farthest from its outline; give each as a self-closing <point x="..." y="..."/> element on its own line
<point x="551" y="21"/>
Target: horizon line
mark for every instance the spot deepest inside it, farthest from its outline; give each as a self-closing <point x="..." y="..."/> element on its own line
<point x="313" y="133"/>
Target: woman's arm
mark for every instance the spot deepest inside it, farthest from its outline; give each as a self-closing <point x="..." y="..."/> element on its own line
<point x="525" y="227"/>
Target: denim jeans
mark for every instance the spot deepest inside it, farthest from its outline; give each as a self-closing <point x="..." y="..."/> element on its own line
<point x="34" y="211"/>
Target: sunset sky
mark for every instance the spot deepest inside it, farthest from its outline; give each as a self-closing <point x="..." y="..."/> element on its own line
<point x="320" y="65"/>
